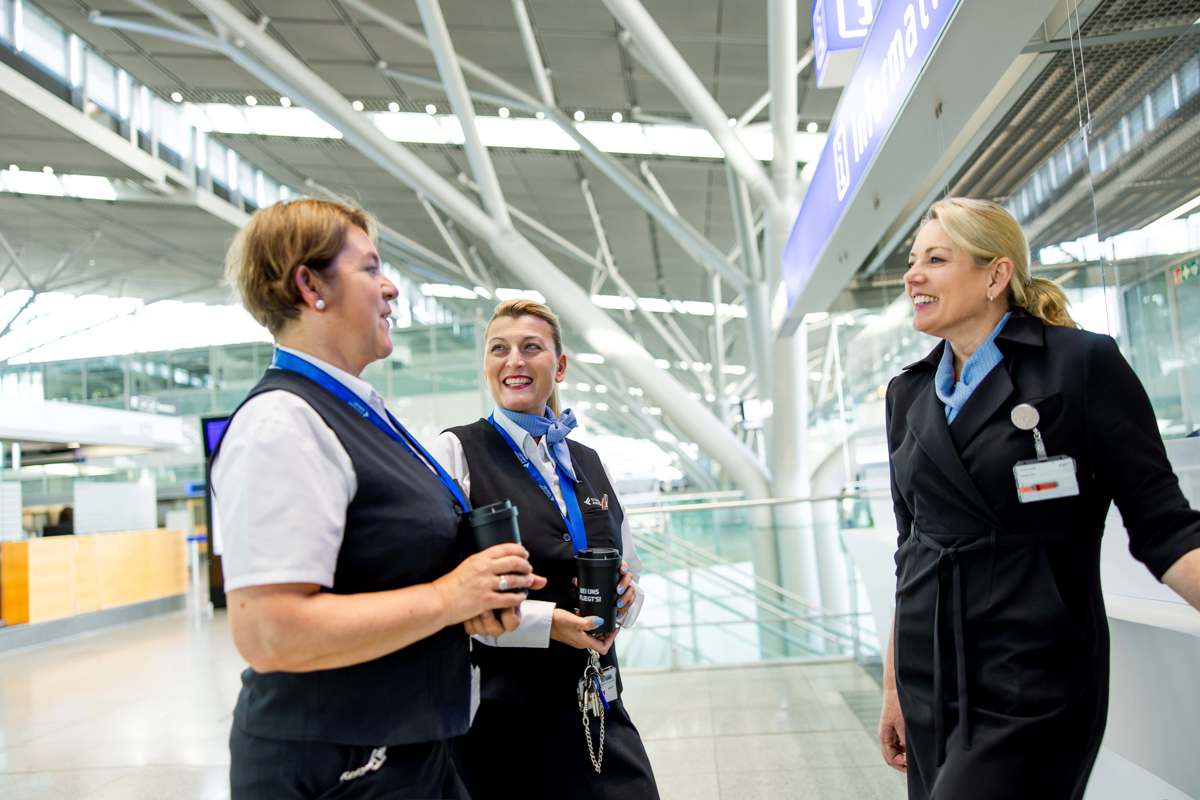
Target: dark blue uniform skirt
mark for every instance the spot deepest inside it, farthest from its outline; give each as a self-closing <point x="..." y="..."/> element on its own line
<point x="538" y="752"/>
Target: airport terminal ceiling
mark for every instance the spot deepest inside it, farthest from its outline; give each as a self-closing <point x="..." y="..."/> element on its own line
<point x="157" y="250"/>
<point x="1131" y="48"/>
<point x="590" y="71"/>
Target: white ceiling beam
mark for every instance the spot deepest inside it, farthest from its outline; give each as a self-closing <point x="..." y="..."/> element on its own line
<point x="784" y="114"/>
<point x="541" y="75"/>
<point x="204" y="42"/>
<point x="460" y="102"/>
<point x="691" y="240"/>
<point x="664" y="60"/>
<point x="525" y="261"/>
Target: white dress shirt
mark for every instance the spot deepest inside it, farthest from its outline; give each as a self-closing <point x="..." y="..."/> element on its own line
<point x="282" y="482"/>
<point x="536" y="615"/>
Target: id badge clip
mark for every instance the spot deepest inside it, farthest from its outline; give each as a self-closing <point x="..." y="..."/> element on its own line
<point x="1042" y="478"/>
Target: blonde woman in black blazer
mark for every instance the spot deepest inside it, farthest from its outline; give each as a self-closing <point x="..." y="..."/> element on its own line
<point x="996" y="681"/>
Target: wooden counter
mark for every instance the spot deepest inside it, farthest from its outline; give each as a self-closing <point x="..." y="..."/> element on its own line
<point x="60" y="576"/>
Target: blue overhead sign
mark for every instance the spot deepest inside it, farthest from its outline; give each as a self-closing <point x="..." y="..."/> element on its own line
<point x="901" y="39"/>
<point x="839" y="29"/>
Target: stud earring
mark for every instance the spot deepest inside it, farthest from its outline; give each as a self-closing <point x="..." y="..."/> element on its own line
<point x="320" y="304"/>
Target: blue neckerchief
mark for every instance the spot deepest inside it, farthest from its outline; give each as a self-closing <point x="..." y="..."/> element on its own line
<point x="982" y="361"/>
<point x="555" y="429"/>
<point x="395" y="431"/>
<point x="574" y="516"/>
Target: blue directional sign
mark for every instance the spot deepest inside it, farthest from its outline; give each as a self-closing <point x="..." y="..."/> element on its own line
<point x="901" y="39"/>
<point x="839" y="29"/>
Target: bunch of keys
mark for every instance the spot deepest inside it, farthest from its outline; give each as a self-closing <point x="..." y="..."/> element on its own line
<point x="591" y="698"/>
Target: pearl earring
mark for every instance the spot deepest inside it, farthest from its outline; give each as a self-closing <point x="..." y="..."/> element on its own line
<point x="320" y="304"/>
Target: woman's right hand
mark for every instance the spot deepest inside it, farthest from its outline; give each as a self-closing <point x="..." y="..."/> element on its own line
<point x="572" y="630"/>
<point x="474" y="586"/>
<point x="891" y="732"/>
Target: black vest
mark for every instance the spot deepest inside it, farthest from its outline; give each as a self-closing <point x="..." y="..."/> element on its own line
<point x="533" y="674"/>
<point x="401" y="530"/>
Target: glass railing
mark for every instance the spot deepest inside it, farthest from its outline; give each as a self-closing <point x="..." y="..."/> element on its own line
<point x="713" y="598"/>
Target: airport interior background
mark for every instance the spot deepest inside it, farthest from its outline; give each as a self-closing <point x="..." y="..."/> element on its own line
<point x="718" y="197"/>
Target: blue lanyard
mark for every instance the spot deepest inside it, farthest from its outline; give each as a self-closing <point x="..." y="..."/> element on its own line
<point x="574" y="517"/>
<point x="395" y="431"/>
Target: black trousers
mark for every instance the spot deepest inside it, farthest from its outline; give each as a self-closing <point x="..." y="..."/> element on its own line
<point x="536" y="751"/>
<point x="272" y="769"/>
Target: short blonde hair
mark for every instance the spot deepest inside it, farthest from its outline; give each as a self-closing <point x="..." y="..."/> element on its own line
<point x="987" y="231"/>
<point x="262" y="261"/>
<point x="531" y="308"/>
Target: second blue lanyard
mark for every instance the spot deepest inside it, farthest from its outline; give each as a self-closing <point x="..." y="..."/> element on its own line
<point x="574" y="516"/>
<point x="395" y="431"/>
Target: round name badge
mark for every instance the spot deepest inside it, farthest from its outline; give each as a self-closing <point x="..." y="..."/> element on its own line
<point x="1025" y="416"/>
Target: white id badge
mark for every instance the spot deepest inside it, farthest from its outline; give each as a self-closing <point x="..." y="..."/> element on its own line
<point x="1046" y="479"/>
<point x="476" y="692"/>
<point x="608" y="683"/>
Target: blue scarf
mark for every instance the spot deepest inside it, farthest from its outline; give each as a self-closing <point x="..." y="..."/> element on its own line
<point x="954" y="394"/>
<point x="555" y="429"/>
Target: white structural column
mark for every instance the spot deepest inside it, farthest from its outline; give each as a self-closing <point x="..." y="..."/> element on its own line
<point x="540" y="77"/>
<point x="800" y="567"/>
<point x="781" y="53"/>
<point x="525" y="261"/>
<point x="667" y="63"/>
<point x="464" y="109"/>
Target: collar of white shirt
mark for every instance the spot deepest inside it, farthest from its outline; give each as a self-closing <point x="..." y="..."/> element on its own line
<point x="524" y="440"/>
<point x="363" y="390"/>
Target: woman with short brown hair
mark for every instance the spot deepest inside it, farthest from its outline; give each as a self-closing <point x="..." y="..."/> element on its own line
<point x="348" y="588"/>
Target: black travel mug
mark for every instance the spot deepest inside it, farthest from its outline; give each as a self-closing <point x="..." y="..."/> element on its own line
<point x="599" y="571"/>
<point x="495" y="524"/>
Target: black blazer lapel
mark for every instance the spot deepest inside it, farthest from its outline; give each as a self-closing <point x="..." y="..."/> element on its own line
<point x="926" y="420"/>
<point x="985" y="401"/>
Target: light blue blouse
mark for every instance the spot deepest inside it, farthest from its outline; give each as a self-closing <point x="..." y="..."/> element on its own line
<point x="982" y="361"/>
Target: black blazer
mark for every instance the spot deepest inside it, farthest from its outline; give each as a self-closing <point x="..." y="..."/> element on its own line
<point x="1000" y="632"/>
<point x="958" y="477"/>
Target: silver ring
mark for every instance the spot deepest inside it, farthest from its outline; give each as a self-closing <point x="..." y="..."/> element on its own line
<point x="503" y="584"/>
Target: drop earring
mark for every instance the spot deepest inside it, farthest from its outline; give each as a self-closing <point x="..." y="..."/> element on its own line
<point x="320" y="304"/>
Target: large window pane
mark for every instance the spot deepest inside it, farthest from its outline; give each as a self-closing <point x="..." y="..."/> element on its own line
<point x="6" y="21"/>
<point x="45" y="42"/>
<point x="101" y="82"/>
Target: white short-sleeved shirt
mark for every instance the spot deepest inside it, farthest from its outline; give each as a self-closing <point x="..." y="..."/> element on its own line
<point x="282" y="482"/>
<point x="536" y="615"/>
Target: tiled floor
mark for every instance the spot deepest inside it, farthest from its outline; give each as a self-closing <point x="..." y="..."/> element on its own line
<point x="141" y="712"/>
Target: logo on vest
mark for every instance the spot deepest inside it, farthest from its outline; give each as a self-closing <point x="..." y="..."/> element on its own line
<point x="601" y="504"/>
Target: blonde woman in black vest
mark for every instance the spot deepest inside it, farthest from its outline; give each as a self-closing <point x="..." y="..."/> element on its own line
<point x="530" y="711"/>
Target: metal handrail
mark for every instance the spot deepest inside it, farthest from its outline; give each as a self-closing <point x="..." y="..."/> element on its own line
<point x="714" y="560"/>
<point x="761" y="503"/>
<point x="779" y="612"/>
<point x="681" y="497"/>
<point x="801" y="622"/>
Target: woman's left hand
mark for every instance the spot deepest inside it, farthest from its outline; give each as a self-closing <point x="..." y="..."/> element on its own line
<point x="626" y="591"/>
<point x="494" y="623"/>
